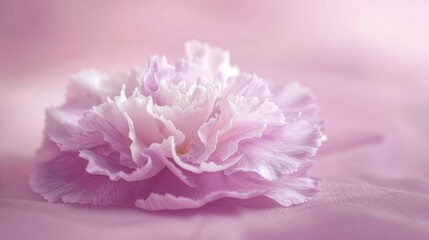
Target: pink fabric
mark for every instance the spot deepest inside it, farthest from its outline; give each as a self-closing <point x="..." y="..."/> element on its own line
<point x="366" y="63"/>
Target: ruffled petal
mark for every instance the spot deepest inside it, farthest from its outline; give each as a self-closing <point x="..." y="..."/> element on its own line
<point x="137" y="113"/>
<point x="164" y="192"/>
<point x="218" y="60"/>
<point x="271" y="159"/>
<point x="90" y="88"/>
<point x="158" y="72"/>
<point x="284" y="149"/>
<point x="108" y="140"/>
<point x="166" y="151"/>
<point x="102" y="165"/>
<point x="241" y="118"/>
<point x="248" y="85"/>
<point x="305" y="132"/>
<point x="293" y="190"/>
<point x="168" y="201"/>
<point x="250" y="117"/>
<point x="112" y="86"/>
<point x="64" y="179"/>
<point x="296" y="102"/>
<point x="189" y="113"/>
<point x="61" y="124"/>
<point x="83" y="90"/>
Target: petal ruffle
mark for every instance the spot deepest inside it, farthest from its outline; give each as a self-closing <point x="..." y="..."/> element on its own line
<point x="83" y="92"/>
<point x="218" y="60"/>
<point x="163" y="192"/>
<point x="269" y="158"/>
<point x="248" y="85"/>
<point x="241" y="118"/>
<point x="284" y="149"/>
<point x="64" y="179"/>
<point x="293" y="191"/>
<point x="90" y="88"/>
<point x="304" y="132"/>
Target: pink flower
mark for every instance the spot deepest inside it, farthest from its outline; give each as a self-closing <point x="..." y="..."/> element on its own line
<point x="178" y="136"/>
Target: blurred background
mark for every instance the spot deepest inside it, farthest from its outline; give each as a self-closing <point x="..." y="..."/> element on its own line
<point x="366" y="61"/>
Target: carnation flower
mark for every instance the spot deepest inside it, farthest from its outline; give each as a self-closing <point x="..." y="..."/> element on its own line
<point x="178" y="136"/>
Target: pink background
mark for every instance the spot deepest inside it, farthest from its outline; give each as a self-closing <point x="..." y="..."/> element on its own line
<point x="366" y="61"/>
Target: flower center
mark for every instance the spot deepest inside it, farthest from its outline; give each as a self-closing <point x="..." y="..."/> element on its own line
<point x="182" y="149"/>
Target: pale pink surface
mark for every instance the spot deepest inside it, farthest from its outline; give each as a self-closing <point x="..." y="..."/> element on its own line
<point x="364" y="61"/>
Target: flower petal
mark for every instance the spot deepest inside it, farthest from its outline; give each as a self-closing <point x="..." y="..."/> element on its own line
<point x="61" y="124"/>
<point x="64" y="179"/>
<point x="296" y="102"/>
<point x="163" y="192"/>
<point x="293" y="191"/>
<point x="267" y="158"/>
<point x="250" y="117"/>
<point x="165" y="152"/>
<point x="102" y="165"/>
<point x="248" y="85"/>
<point x="158" y="71"/>
<point x="283" y="149"/>
<point x="217" y="60"/>
<point x="83" y="91"/>
<point x="112" y="86"/>
<point x="304" y="132"/>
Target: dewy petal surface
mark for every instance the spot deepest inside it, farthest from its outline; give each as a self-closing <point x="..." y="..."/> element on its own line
<point x="177" y="136"/>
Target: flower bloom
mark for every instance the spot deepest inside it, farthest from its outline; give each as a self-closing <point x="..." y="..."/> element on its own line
<point x="178" y="136"/>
